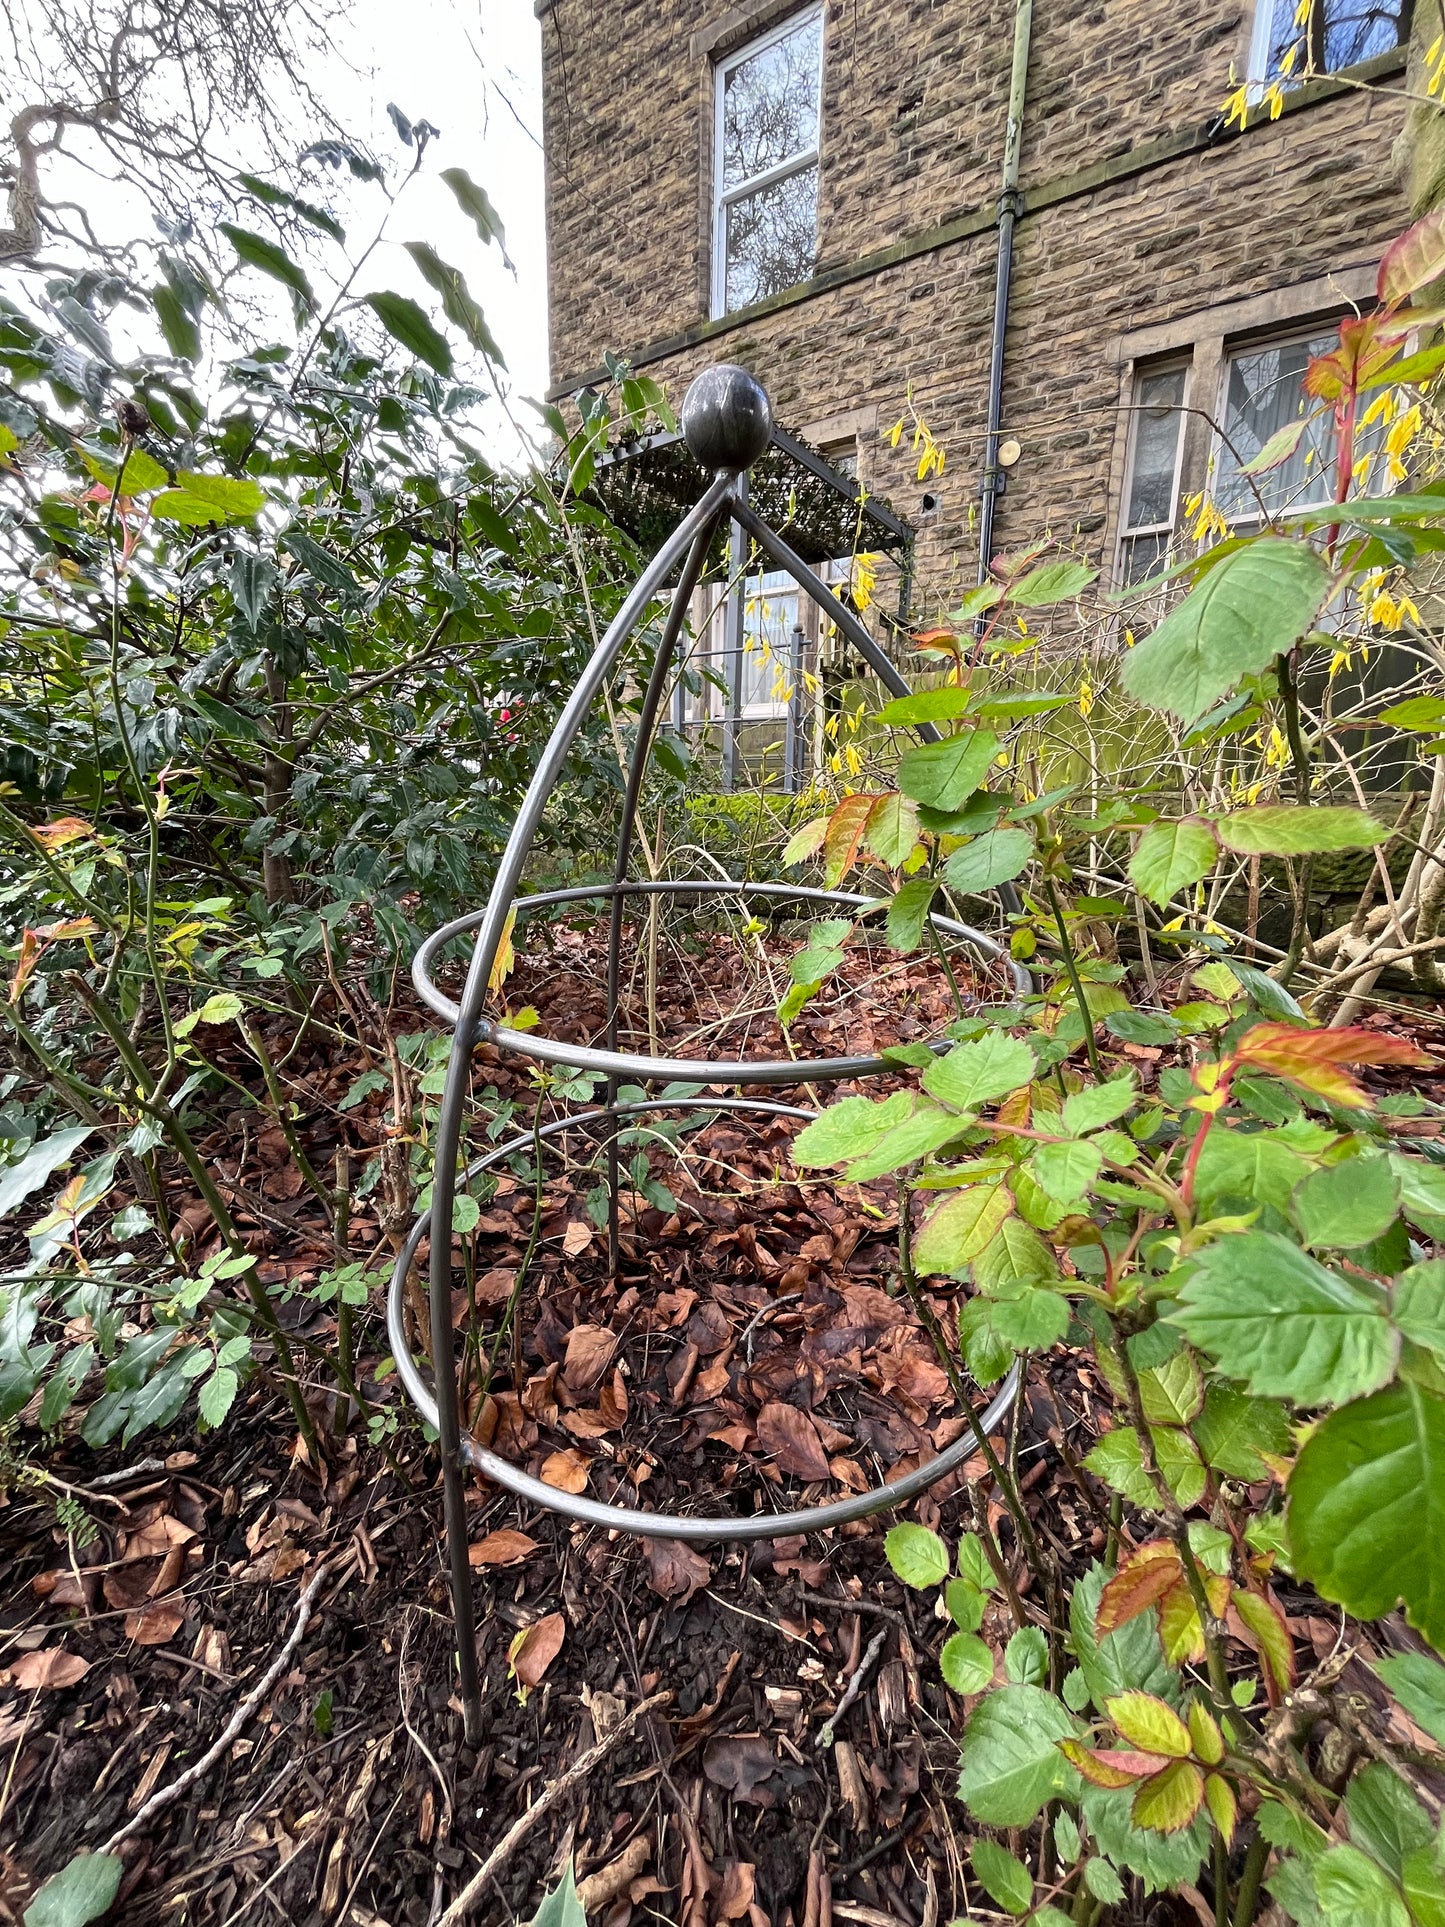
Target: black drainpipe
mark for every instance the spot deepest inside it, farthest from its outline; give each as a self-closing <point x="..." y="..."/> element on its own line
<point x="1010" y="206"/>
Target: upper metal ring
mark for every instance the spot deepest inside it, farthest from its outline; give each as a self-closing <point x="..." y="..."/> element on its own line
<point x="662" y="1525"/>
<point x="683" y="1070"/>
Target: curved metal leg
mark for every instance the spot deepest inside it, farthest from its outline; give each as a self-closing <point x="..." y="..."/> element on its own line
<point x="626" y="830"/>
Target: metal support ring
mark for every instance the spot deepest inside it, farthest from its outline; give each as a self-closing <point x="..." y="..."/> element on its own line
<point x="661" y="1525"/>
<point x="683" y="1070"/>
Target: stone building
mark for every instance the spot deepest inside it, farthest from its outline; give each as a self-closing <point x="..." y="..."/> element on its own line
<point x="826" y="192"/>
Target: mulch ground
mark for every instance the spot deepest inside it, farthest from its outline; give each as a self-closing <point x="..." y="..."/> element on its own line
<point x="751" y="1354"/>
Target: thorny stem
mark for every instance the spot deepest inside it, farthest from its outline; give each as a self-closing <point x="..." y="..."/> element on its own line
<point x="1299" y="758"/>
<point x="1075" y="981"/>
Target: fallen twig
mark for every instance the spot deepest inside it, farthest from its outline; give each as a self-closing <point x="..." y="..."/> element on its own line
<point x="519" y="1829"/>
<point x="854" y="1687"/>
<point x="167" y="1795"/>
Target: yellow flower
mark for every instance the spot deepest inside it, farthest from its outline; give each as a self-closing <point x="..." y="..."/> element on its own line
<point x="1208" y="521"/>
<point x="895" y="433"/>
<point x="1389" y="612"/>
<point x="1086" y="697"/>
<point x="1382" y="408"/>
<point x="1275" y="100"/>
<point x="1236" y="107"/>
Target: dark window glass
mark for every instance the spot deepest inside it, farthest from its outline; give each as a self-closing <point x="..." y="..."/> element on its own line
<point x="1330" y="34"/>
<point x="771" y="238"/>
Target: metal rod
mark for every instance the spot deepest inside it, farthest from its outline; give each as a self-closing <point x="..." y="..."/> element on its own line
<point x="661" y="1525"/>
<point x="792" y="733"/>
<point x="734" y="628"/>
<point x="626" y="829"/>
<point x="492" y="927"/>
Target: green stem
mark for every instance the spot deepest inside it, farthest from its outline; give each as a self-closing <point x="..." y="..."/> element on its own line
<point x="1300" y="761"/>
<point x="1221" y="1880"/>
<point x="1075" y="981"/>
<point x="1246" y="1899"/>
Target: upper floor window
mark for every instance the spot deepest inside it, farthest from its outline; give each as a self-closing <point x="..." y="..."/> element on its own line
<point x="1293" y="38"/>
<point x="765" y="164"/>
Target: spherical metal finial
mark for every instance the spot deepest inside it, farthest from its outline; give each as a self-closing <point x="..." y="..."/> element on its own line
<point x="727" y="420"/>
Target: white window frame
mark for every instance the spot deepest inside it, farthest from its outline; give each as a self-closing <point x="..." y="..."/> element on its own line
<point x="1129" y="532"/>
<point x="784" y="170"/>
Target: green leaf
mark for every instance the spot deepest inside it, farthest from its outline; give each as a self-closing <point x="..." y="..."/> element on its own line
<point x="1347" y="1205"/>
<point x="1014" y="1257"/>
<point x="231" y="498"/>
<point x="17" y="1181"/>
<point x="942" y="705"/>
<point x="1250" y="608"/>
<point x="1274" y="1318"/>
<point x="945" y="774"/>
<point x="892" y="829"/>
<point x="1418" y="1683"/>
<point x="965" y="1662"/>
<point x="1172" y="1393"/>
<point x="908" y="910"/>
<point x="142" y="472"/>
<point x="996" y="857"/>
<point x="561" y="1907"/>
<point x="408" y="324"/>
<point x="1171" y="856"/>
<point x="972" y="1075"/>
<point x="1171" y="1799"/>
<point x="954" y="1235"/>
<point x="1419" y="712"/>
<point x="1119" y="1462"/>
<point x="1149" y="1724"/>
<point x="457" y="303"/>
<point x="1130" y="1659"/>
<point x="850" y="1127"/>
<point x="1102" y="1882"/>
<point x="1277" y="830"/>
<point x="1006" y="1880"/>
<point x="1424" y="1888"/>
<point x="258" y="252"/>
<point x="1026" y="1657"/>
<point x="1256" y="1165"/>
<point x="473" y="201"/>
<point x="1386" y="1820"/>
<point x="973" y="1562"/>
<point x="220" y="1008"/>
<point x="1162" y="1860"/>
<point x="1353" y="1892"/>
<point x="992" y="1330"/>
<point x="918" y="1557"/>
<point x="1141" y="1027"/>
<point x="320" y="564"/>
<point x="1065" y="1171"/>
<point x="807" y="841"/>
<point x="965" y="1603"/>
<point x="1011" y="1762"/>
<point x="1419" y="1309"/>
<point x="1366" y="1510"/>
<point x="218" y="1394"/>
<point x="1234" y="1429"/>
<point x="1098" y="1104"/>
<point x="928" y="1129"/>
<point x="82" y="1891"/>
<point x="1051" y="582"/>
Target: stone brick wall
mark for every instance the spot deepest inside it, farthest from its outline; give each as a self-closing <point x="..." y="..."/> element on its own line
<point x="1135" y="221"/>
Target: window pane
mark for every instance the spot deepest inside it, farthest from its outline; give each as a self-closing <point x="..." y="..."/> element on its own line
<point x="1334" y="33"/>
<point x="1144" y="555"/>
<point x="1266" y="391"/>
<point x="770" y="613"/>
<point x="1158" y="424"/>
<point x="770" y="105"/>
<point x="771" y="238"/>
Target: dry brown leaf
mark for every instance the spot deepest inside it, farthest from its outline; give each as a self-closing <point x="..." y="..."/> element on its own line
<point x="155" y="1540"/>
<point x="129" y="1586"/>
<point x="60" y="1586"/>
<point x="792" y="1439"/>
<point x="154" y="1625"/>
<point x="743" y="1763"/>
<point x="738" y="1887"/>
<point x="576" y="1238"/>
<point x="566" y="1471"/>
<point x="495" y="1287"/>
<point x="503" y="1548"/>
<point x="589" y="1353"/>
<point x="535" y="1647"/>
<point x="673" y="1569"/>
<point x="50" y="1669"/>
<point x="600" y="1889"/>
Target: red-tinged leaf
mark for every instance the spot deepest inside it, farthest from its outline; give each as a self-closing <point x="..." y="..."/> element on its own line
<point x="1312" y="1059"/>
<point x="1413" y="261"/>
<point x="1095" y="1767"/>
<point x="1366" y="346"/>
<point x="1145" y="1576"/>
<point x="1138" y="1766"/>
<point x="535" y="1647"/>
<point x="1150" y="1724"/>
<point x="30" y="953"/>
<point x="931" y="638"/>
<point x="1169" y="1801"/>
<point x="1223" y="1807"/>
<point x="502" y="1548"/>
<point x="68" y="927"/>
<point x="1262" y="1626"/>
<point x="65" y="829"/>
<point x="1180" y="1633"/>
<point x="845" y="832"/>
<point x="792" y="1439"/>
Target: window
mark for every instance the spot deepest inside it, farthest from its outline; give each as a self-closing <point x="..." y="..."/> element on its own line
<point x="1293" y="38"/>
<point x="765" y="165"/>
<point x="1263" y="393"/>
<point x="1151" y="497"/>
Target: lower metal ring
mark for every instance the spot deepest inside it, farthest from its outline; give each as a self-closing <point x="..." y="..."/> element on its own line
<point x="663" y="1525"/>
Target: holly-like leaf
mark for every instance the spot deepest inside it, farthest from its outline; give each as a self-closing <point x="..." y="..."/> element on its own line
<point x="972" y="1075"/>
<point x="1366" y="1511"/>
<point x="944" y="775"/>
<point x="1171" y="856"/>
<point x="1347" y="1205"/>
<point x="1007" y="1880"/>
<point x="1011" y="1763"/>
<point x="995" y="857"/>
<point x="408" y="324"/>
<point x="1150" y="1724"/>
<point x="1251" y="607"/>
<point x="1169" y="1801"/>
<point x="1284" y="1325"/>
<point x="1278" y="830"/>
<point x="918" y="1557"/>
